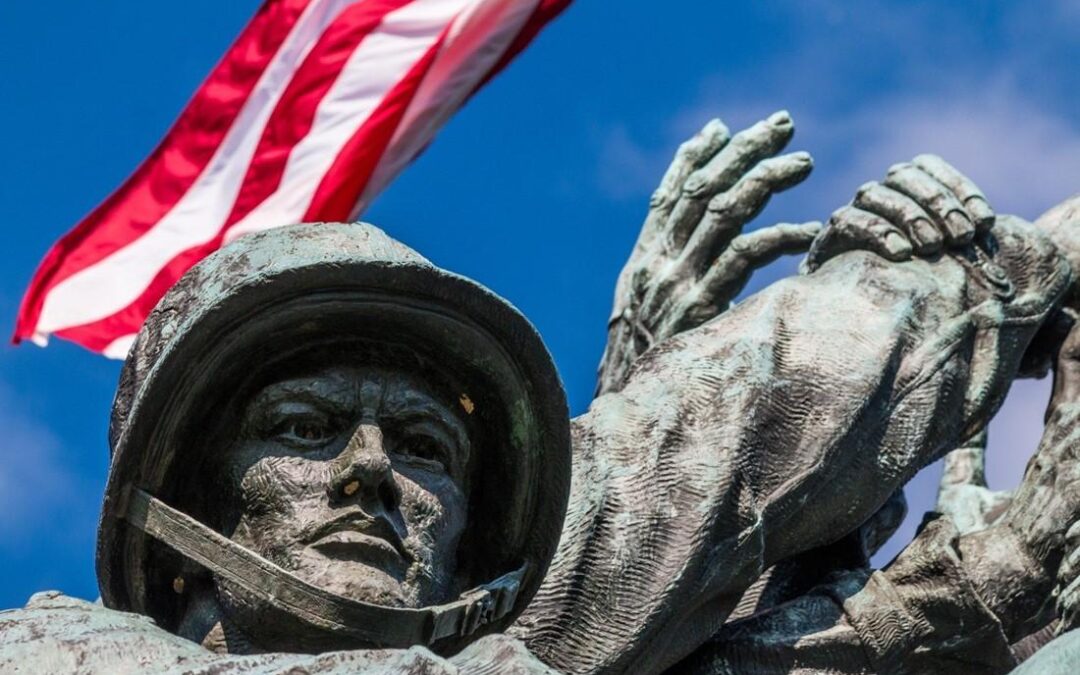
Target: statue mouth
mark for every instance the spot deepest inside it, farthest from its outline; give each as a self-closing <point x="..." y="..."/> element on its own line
<point x="359" y="538"/>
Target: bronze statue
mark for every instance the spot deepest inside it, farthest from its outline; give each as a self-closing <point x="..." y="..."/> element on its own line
<point x="329" y="455"/>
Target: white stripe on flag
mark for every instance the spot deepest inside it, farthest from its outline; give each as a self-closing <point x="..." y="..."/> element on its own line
<point x="116" y="281"/>
<point x="119" y="348"/>
<point x="479" y="39"/>
<point x="322" y="103"/>
<point x="380" y="62"/>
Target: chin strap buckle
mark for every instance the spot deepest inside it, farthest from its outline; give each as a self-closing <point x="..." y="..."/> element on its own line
<point x="477" y="607"/>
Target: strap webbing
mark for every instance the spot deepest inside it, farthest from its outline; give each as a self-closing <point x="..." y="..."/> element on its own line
<point x="374" y="624"/>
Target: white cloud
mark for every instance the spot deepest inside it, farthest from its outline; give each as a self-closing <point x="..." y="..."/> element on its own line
<point x="1024" y="157"/>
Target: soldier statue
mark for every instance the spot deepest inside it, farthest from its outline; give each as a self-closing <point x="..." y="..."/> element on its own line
<point x="331" y="456"/>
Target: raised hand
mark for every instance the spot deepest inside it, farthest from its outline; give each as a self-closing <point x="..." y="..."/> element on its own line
<point x="922" y="208"/>
<point x="691" y="258"/>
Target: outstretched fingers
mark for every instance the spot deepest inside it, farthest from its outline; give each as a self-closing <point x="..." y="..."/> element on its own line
<point x="691" y="156"/>
<point x="730" y="272"/>
<point x="729" y="212"/>
<point x="763" y="246"/>
<point x="745" y="150"/>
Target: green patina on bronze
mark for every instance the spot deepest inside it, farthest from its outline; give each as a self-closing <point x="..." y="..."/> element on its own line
<point x="331" y="456"/>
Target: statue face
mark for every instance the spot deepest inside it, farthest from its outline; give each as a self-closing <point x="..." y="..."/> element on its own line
<point x="354" y="479"/>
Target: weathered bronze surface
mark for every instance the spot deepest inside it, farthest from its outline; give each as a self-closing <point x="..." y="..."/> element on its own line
<point x="330" y="456"/>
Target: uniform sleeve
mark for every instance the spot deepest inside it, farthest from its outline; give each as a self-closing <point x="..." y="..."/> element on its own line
<point x="923" y="615"/>
<point x="778" y="427"/>
<point x="920" y="615"/>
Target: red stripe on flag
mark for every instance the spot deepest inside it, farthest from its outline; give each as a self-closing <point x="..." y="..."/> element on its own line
<point x="543" y="12"/>
<point x="278" y="144"/>
<point x="349" y="174"/>
<point x="167" y="174"/>
<point x="294" y="115"/>
<point x="343" y="183"/>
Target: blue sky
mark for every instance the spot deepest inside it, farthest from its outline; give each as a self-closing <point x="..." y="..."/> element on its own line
<point x="537" y="188"/>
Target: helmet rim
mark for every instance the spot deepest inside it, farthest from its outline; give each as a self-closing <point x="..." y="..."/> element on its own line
<point x="299" y="273"/>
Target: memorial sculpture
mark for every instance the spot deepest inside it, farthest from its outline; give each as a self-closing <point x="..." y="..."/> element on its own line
<point x="330" y="456"/>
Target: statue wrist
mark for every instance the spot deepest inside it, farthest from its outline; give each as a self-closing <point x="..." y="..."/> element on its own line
<point x="1009" y="578"/>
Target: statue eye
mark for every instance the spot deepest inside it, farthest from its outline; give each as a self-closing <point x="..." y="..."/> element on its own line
<point x="306" y="431"/>
<point x="424" y="448"/>
<point x="309" y="430"/>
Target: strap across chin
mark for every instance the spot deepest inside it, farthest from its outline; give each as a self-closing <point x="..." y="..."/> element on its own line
<point x="375" y="624"/>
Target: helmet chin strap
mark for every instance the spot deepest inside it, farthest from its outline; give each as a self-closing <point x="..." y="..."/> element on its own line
<point x="374" y="624"/>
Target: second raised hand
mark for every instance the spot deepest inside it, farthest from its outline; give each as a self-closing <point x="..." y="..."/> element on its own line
<point x="922" y="208"/>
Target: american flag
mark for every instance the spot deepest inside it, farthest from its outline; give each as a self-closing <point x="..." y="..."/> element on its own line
<point x="314" y="109"/>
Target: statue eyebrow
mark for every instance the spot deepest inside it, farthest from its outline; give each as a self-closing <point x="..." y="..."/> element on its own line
<point x="442" y="421"/>
<point x="420" y="406"/>
<point x="338" y="399"/>
<point x="431" y="411"/>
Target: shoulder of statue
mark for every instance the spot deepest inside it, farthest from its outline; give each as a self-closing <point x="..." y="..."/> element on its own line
<point x="58" y="633"/>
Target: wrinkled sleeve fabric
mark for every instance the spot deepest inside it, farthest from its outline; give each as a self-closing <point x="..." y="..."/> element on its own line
<point x="777" y="427"/>
<point x="919" y="616"/>
<point x="922" y="614"/>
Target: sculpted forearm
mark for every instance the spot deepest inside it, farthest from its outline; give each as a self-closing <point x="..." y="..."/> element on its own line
<point x="781" y="425"/>
<point x="962" y="595"/>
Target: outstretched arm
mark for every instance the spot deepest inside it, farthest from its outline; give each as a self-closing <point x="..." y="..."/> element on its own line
<point x="780" y="426"/>
<point x="971" y="601"/>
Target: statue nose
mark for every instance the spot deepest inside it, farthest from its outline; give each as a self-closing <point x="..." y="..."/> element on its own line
<point x="365" y="473"/>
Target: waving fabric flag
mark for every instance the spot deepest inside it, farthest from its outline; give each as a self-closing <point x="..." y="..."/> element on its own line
<point x="315" y="108"/>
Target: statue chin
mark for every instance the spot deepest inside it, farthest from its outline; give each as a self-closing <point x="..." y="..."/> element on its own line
<point x="357" y="577"/>
<point x="350" y="572"/>
<point x="268" y="628"/>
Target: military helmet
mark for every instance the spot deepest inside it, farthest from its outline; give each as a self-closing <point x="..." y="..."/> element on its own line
<point x="255" y="305"/>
